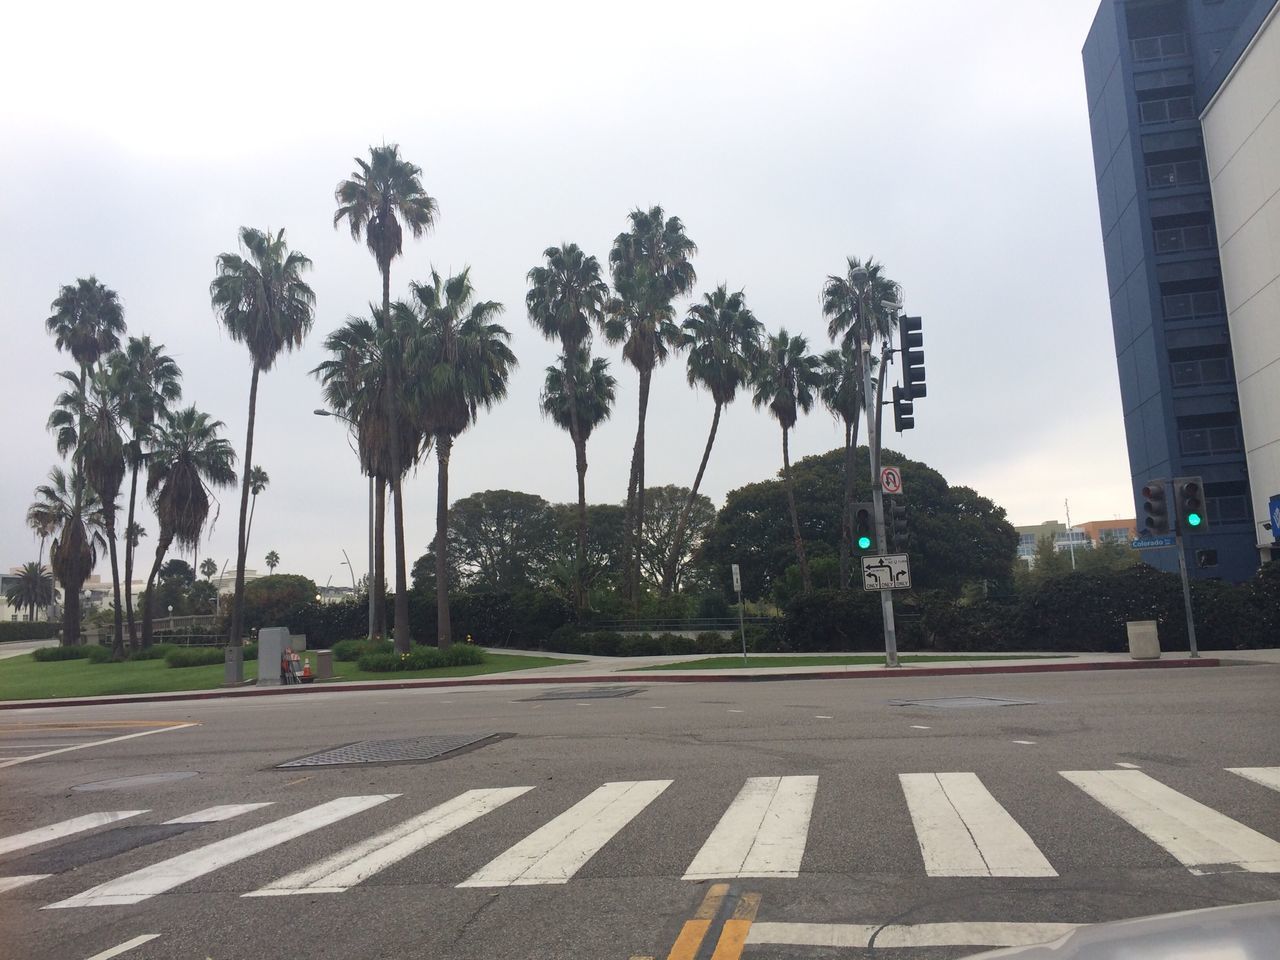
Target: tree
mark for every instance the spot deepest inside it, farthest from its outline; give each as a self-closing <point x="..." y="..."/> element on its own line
<point x="461" y="362"/>
<point x="208" y="567"/>
<point x="265" y="304"/>
<point x="841" y="392"/>
<point x="258" y="481"/>
<point x="566" y="298"/>
<point x="606" y="523"/>
<point x="147" y="382"/>
<point x="578" y="395"/>
<point x="380" y="195"/>
<point x="785" y="378"/>
<point x="188" y="461"/>
<point x="33" y="589"/>
<point x="273" y="561"/>
<point x="68" y="511"/>
<point x="669" y="507"/>
<point x="723" y="339"/>
<point x="650" y="265"/>
<point x="499" y="540"/>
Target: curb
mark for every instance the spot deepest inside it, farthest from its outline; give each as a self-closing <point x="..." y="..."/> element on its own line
<point x="664" y="677"/>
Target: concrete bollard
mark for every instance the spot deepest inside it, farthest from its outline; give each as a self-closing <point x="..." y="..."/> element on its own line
<point x="1144" y="641"/>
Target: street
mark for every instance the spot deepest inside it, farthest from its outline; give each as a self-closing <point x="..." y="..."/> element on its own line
<point x="786" y="819"/>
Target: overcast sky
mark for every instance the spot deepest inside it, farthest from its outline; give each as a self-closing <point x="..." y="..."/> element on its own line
<point x="948" y="140"/>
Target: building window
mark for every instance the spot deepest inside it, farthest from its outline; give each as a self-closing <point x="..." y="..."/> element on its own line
<point x="1200" y="366"/>
<point x="1148" y="49"/>
<point x="1227" y="501"/>
<point x="1178" y="174"/>
<point x="1184" y="306"/>
<point x="1179" y="239"/>
<point x="1208" y="433"/>
<point x="1163" y="111"/>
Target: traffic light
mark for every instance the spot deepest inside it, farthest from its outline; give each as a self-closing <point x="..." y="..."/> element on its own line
<point x="896" y="531"/>
<point x="911" y="342"/>
<point x="1192" y="517"/>
<point x="864" y="527"/>
<point x="1156" y="508"/>
<point x="1206" y="558"/>
<point x="903" y="411"/>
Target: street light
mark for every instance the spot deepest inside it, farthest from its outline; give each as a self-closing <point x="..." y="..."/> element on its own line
<point x="372" y="500"/>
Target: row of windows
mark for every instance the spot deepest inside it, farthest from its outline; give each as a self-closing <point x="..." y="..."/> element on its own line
<point x="1178" y="174"/>
<point x="1179" y="239"/>
<point x="1162" y="111"/>
<point x="1209" y="433"/>
<point x="1184" y="306"/>
<point x="1147" y="49"/>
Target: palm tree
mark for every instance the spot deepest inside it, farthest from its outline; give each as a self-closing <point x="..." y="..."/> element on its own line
<point x="188" y="460"/>
<point x="381" y="194"/>
<point x="273" y="561"/>
<point x="785" y="378"/>
<point x="841" y="393"/>
<point x="258" y="481"/>
<point x="723" y="339"/>
<point x="650" y="265"/>
<point x="208" y="567"/>
<point x="67" y="510"/>
<point x="578" y="396"/>
<point x="147" y="381"/>
<point x="461" y="362"/>
<point x="33" y="590"/>
<point x="263" y="302"/>
<point x="565" y="299"/>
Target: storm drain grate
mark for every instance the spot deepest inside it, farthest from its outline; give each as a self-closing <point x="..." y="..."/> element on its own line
<point x="393" y="751"/>
<point x="961" y="703"/>
<point x="591" y="693"/>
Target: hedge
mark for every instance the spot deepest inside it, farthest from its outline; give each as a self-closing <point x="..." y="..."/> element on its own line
<point x="194" y="656"/>
<point x="46" y="654"/>
<point x="608" y="643"/>
<point x="13" y="631"/>
<point x="421" y="658"/>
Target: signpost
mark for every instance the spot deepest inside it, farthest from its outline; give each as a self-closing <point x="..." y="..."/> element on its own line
<point x="891" y="571"/>
<point x="742" y="623"/>
<point x="890" y="479"/>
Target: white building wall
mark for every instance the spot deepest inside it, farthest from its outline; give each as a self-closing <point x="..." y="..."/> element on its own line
<point x="1242" y="140"/>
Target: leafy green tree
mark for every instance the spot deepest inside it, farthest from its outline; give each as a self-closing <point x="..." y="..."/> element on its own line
<point x="265" y="304"/>
<point x="188" y="461"/>
<point x="651" y="264"/>
<point x="1107" y="556"/>
<point x="461" y="362"/>
<point x="382" y="197"/>
<point x="499" y="540"/>
<point x="1049" y="561"/>
<point x="273" y="561"/>
<point x="67" y="510"/>
<point x="723" y="339"/>
<point x="605" y="542"/>
<point x="785" y="379"/>
<point x="258" y="482"/>
<point x="671" y="507"/>
<point x="33" y="589"/>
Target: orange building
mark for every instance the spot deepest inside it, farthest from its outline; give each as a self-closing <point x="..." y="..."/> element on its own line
<point x="1099" y="530"/>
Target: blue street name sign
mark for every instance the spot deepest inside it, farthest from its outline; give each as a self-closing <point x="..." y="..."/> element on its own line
<point x="1150" y="543"/>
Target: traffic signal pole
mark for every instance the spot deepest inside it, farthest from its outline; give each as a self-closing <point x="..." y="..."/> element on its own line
<point x="877" y="499"/>
<point x="1186" y="595"/>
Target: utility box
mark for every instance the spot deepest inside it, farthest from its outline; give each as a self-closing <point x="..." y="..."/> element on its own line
<point x="324" y="664"/>
<point x="272" y="643"/>
<point x="1144" y="641"/>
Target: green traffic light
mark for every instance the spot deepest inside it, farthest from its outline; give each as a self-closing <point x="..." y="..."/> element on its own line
<point x="1193" y="519"/>
<point x="864" y="542"/>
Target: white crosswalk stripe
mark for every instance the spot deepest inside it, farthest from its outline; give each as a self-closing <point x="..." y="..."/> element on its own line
<point x="150" y="881"/>
<point x="1202" y="839"/>
<point x="556" y="851"/>
<point x="56" y="831"/>
<point x="763" y="832"/>
<point x="963" y="831"/>
<point x="219" y="813"/>
<point x="13" y="883"/>
<point x="1267" y="776"/>
<point x="357" y="863"/>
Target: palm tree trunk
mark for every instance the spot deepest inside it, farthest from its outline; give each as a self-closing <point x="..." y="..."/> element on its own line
<point x="242" y="544"/>
<point x="128" y="561"/>
<point x="71" y="617"/>
<point x="253" y="505"/>
<point x="846" y="521"/>
<point x="378" y="581"/>
<point x="805" y="582"/>
<point x="444" y="446"/>
<point x="637" y="457"/>
<point x="148" y="601"/>
<point x="580" y="461"/>
<point x="117" y="639"/>
<point x="677" y="543"/>
<point x="403" y="638"/>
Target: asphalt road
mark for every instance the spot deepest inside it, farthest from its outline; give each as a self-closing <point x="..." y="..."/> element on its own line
<point x="626" y="796"/>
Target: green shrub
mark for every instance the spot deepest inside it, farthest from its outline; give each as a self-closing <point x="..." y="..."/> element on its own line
<point x="674" y="644"/>
<point x="834" y="620"/>
<point x="250" y="651"/>
<point x="47" y="654"/>
<point x="462" y="655"/>
<point x="520" y="619"/>
<point x="194" y="656"/>
<point x="28" y="630"/>
<point x="642" y="645"/>
<point x="566" y="638"/>
<point x="606" y="643"/>
<point x="420" y="658"/>
<point x="97" y="653"/>
<point x="378" y="662"/>
<point x="156" y="651"/>
<point x="348" y="650"/>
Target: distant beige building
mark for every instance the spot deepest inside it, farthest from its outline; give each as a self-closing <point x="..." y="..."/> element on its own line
<point x="1083" y="536"/>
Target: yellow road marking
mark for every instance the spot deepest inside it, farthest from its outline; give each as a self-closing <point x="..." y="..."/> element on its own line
<point x="695" y="931"/>
<point x="711" y="902"/>
<point x="733" y="937"/>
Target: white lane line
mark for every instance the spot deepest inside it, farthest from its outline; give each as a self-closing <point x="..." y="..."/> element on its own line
<point x="916" y="726"/>
<point x="1127" y="766"/>
<point x="1202" y="839"/>
<point x="219" y="813"/>
<point x="735" y="711"/>
<point x="157" y="878"/>
<point x="963" y="831"/>
<point x="763" y="832"/>
<point x="859" y="935"/>
<point x="357" y="863"/>
<point x="1026" y="743"/>
<point x="65" y="828"/>
<point x="13" y="883"/>
<point x="127" y="945"/>
<point x="94" y="743"/>
<point x="819" y="716"/>
<point x="556" y="851"/>
<point x="657" y="708"/>
<point x="1267" y="776"/>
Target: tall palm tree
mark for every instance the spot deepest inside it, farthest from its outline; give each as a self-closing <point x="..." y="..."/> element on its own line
<point x="208" y="567"/>
<point x="578" y="396"/>
<point x="841" y="393"/>
<point x="786" y="377"/>
<point x="723" y="338"/>
<point x="273" y="561"/>
<point x="258" y="481"/>
<point x="33" y="590"/>
<point x="382" y="194"/>
<point x="461" y="362"/>
<point x="188" y="461"/>
<point x="651" y="265"/>
<point x="566" y="298"/>
<point x="264" y="303"/>
<point x="66" y="509"/>
<point x="147" y="381"/>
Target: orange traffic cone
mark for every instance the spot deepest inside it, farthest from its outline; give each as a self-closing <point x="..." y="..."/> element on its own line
<point x="306" y="669"/>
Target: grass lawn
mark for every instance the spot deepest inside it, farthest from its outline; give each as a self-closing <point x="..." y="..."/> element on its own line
<point x="22" y="678"/>
<point x="835" y="660"/>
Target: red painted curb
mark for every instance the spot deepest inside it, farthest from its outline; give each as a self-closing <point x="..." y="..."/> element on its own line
<point x="374" y="686"/>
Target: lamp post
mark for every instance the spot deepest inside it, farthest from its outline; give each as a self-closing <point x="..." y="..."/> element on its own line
<point x="372" y="501"/>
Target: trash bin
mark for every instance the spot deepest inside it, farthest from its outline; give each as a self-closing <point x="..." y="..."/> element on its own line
<point x="1144" y="641"/>
<point x="324" y="664"/>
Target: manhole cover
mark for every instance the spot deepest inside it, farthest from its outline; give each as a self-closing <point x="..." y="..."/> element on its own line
<point x="394" y="751"/>
<point x="143" y="780"/>
<point x="961" y="703"/>
<point x="591" y="693"/>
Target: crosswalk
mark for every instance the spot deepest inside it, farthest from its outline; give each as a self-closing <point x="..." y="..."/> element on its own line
<point x="961" y="829"/>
